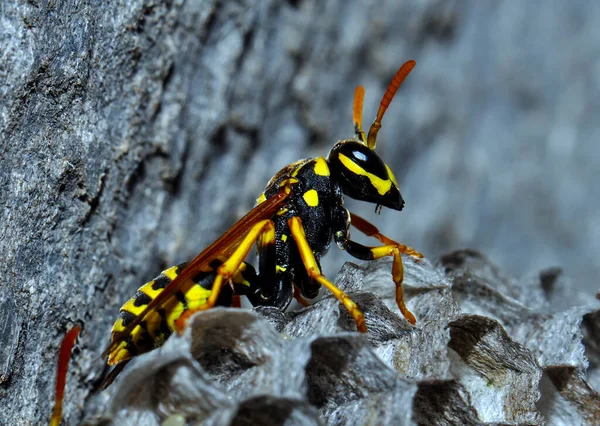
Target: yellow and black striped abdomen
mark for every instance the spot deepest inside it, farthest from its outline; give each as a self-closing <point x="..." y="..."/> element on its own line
<point x="158" y="324"/>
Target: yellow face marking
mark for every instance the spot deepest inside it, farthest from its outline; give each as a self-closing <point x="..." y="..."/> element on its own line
<point x="381" y="185"/>
<point x="261" y="198"/>
<point x="283" y="238"/>
<point x="392" y="177"/>
<point x="321" y="167"/>
<point x="280" y="268"/>
<point x="311" y="197"/>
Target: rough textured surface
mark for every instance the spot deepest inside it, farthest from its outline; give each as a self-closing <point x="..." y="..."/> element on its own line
<point x="127" y="130"/>
<point x="309" y="367"/>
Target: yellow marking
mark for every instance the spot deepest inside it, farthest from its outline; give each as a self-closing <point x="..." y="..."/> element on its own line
<point x="288" y="181"/>
<point x="280" y="268"/>
<point x="261" y="198"/>
<point x="196" y="296"/>
<point x="321" y="167"/>
<point x="282" y="211"/>
<point x="381" y="185"/>
<point x="238" y="278"/>
<point x="130" y="307"/>
<point x="149" y="291"/>
<point x="283" y="238"/>
<point x="311" y="197"/>
<point x="173" y="313"/>
<point x="153" y="321"/>
<point x="118" y="354"/>
<point x="170" y="273"/>
<point x="268" y="235"/>
<point x="266" y="238"/>
<point x="118" y="326"/>
<point x="392" y="177"/>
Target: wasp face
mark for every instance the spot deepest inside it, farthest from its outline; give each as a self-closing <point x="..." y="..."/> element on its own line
<point x="363" y="175"/>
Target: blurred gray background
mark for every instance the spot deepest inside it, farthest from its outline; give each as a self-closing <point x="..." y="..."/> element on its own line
<point x="133" y="134"/>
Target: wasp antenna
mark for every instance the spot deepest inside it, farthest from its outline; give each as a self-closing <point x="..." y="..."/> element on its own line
<point x="359" y="96"/>
<point x="387" y="98"/>
<point x="61" y="376"/>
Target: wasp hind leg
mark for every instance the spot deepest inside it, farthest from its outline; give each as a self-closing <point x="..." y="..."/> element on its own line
<point x="312" y="268"/>
<point x="390" y="248"/>
<point x="227" y="270"/>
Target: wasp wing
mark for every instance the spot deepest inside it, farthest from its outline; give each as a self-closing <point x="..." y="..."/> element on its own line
<point x="223" y="246"/>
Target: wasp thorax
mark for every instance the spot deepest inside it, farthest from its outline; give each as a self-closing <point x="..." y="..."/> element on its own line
<point x="363" y="175"/>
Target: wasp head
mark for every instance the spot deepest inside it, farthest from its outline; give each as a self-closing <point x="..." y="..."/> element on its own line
<point x="363" y="175"/>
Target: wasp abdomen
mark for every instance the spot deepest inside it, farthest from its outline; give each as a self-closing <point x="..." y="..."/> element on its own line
<point x="158" y="324"/>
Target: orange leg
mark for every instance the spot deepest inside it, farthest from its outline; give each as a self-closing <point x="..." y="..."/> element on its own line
<point x="227" y="269"/>
<point x="299" y="298"/>
<point x="310" y="263"/>
<point x="390" y="248"/>
<point x="371" y="230"/>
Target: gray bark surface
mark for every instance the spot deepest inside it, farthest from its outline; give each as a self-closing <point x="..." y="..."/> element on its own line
<point x="132" y="134"/>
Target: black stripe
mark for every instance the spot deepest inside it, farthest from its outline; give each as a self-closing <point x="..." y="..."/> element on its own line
<point x="164" y="328"/>
<point x="130" y="346"/>
<point x="127" y="317"/>
<point x="164" y="325"/>
<point x="180" y="267"/>
<point x="145" y="342"/>
<point x="141" y="299"/>
<point x="201" y="276"/>
<point x="181" y="297"/>
<point x="160" y="282"/>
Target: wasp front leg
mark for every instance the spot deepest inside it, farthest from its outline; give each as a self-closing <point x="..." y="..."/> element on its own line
<point x="390" y="248"/>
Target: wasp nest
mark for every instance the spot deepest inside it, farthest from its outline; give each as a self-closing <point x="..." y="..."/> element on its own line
<point x="487" y="349"/>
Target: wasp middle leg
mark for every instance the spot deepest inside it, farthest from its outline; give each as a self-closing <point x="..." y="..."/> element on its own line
<point x="312" y="268"/>
<point x="227" y="270"/>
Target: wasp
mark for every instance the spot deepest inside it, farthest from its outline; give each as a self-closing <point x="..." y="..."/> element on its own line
<point x="296" y="218"/>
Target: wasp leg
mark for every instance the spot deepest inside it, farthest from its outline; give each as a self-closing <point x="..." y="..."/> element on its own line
<point x="371" y="230"/>
<point x="390" y="248"/>
<point x="299" y="298"/>
<point x="310" y="263"/>
<point x="227" y="269"/>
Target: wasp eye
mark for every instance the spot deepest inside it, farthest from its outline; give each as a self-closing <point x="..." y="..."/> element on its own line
<point x="363" y="175"/>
